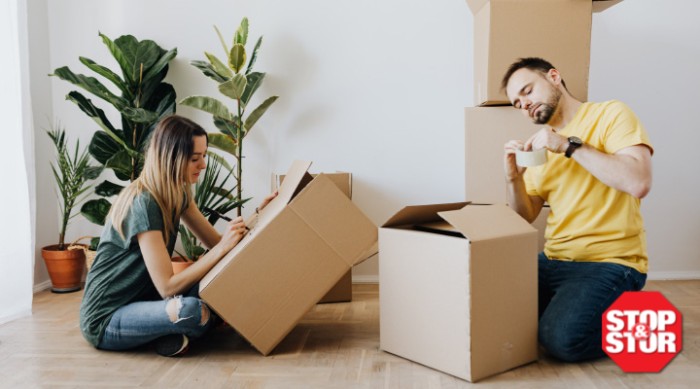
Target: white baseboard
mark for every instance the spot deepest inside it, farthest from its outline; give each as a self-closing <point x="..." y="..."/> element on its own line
<point x="365" y="279"/>
<point x="40" y="287"/>
<point x="673" y="275"/>
<point x="9" y="318"/>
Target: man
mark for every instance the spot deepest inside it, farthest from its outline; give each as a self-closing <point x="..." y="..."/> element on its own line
<point x="598" y="169"/>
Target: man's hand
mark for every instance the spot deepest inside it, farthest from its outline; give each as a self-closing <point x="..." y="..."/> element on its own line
<point x="513" y="171"/>
<point x="547" y="138"/>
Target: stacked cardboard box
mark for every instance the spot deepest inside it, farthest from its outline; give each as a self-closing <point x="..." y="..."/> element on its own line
<point x="299" y="246"/>
<point x="458" y="282"/>
<point x="342" y="291"/>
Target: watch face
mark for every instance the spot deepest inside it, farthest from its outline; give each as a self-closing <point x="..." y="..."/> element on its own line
<point x="574" y="140"/>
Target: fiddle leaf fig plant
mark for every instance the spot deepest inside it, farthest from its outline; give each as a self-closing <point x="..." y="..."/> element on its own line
<point x="237" y="82"/>
<point x="141" y="100"/>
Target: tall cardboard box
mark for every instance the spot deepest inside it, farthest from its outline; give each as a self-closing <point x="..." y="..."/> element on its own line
<point x="302" y="243"/>
<point x="342" y="291"/>
<point x="556" y="30"/>
<point x="467" y="304"/>
<point x="486" y="131"/>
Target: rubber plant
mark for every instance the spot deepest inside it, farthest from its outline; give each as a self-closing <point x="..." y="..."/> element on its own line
<point x="239" y="82"/>
<point x="141" y="101"/>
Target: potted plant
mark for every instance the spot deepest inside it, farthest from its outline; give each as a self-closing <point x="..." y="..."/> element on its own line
<point x="213" y="200"/>
<point x="142" y="101"/>
<point x="238" y="82"/>
<point x="72" y="171"/>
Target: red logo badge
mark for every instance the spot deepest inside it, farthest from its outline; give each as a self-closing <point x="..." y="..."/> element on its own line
<point x="642" y="332"/>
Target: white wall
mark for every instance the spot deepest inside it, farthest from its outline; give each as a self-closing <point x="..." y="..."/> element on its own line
<point x="378" y="89"/>
<point x="647" y="54"/>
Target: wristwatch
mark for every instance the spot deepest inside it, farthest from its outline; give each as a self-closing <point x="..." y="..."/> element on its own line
<point x="574" y="143"/>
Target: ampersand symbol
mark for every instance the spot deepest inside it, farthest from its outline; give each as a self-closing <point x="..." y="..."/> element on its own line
<point x="641" y="331"/>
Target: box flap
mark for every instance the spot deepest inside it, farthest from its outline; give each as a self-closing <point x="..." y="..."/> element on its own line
<point x="475" y="5"/>
<point x="598" y="5"/>
<point x="602" y="5"/>
<point x="336" y="220"/>
<point x="421" y="213"/>
<point x="483" y="222"/>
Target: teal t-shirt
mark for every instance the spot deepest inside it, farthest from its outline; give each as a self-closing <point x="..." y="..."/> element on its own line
<point x="118" y="276"/>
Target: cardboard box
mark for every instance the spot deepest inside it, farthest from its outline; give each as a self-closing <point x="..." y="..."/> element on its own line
<point x="465" y="305"/>
<point x="342" y="291"/>
<point x="487" y="129"/>
<point x="302" y="243"/>
<point x="556" y="30"/>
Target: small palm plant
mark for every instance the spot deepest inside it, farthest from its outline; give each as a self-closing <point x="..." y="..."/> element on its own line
<point x="72" y="172"/>
<point x="210" y="194"/>
<point x="238" y="82"/>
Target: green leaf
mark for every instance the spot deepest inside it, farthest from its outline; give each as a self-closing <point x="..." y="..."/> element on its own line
<point x="118" y="55"/>
<point x="234" y="87"/>
<point x="139" y="115"/>
<point x="223" y="142"/>
<point x="241" y="35"/>
<point x="254" y="81"/>
<point x="160" y="64"/>
<point x="92" y="172"/>
<point x="221" y="39"/>
<point x="121" y="163"/>
<point x="258" y="112"/>
<point x="227" y="127"/>
<point x="237" y="57"/>
<point x="106" y="73"/>
<point x="91" y="85"/>
<point x="208" y="104"/>
<point x="96" y="210"/>
<point x="102" y="147"/>
<point x="139" y="57"/>
<point x="219" y="159"/>
<point x="254" y="56"/>
<point x="208" y="70"/>
<point x="219" y="67"/>
<point x="108" y="189"/>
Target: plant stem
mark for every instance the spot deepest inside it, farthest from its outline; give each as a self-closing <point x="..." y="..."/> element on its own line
<point x="240" y="135"/>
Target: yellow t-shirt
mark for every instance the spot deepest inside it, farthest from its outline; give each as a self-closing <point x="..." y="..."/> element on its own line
<point x="590" y="221"/>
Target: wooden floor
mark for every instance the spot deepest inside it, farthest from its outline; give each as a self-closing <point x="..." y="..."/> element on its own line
<point x="335" y="346"/>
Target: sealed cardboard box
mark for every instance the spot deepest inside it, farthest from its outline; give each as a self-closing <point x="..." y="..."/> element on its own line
<point x="487" y="129"/>
<point x="458" y="288"/>
<point x="556" y="30"/>
<point x="301" y="244"/>
<point x="342" y="291"/>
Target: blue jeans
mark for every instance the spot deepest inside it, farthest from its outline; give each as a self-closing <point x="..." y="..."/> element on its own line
<point x="572" y="299"/>
<point x="141" y="322"/>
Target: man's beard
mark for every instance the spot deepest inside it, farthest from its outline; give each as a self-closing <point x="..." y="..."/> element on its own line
<point x="547" y="110"/>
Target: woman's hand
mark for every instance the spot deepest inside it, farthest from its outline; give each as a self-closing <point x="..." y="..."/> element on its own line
<point x="234" y="232"/>
<point x="267" y="201"/>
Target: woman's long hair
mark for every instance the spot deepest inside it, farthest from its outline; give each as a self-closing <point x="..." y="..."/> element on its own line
<point x="164" y="173"/>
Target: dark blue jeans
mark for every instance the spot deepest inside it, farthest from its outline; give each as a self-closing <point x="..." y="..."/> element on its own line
<point x="141" y="322"/>
<point x="572" y="299"/>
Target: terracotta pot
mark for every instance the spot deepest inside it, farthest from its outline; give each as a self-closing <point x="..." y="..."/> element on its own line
<point x="180" y="264"/>
<point x="65" y="268"/>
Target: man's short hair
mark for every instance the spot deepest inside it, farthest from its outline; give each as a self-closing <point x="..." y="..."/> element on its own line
<point x="533" y="63"/>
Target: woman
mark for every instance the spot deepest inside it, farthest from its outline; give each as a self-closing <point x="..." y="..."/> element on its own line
<point x="131" y="295"/>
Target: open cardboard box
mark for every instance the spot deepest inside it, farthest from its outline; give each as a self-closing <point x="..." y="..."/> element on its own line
<point x="301" y="244"/>
<point x="341" y="291"/>
<point x="466" y="304"/>
<point x="556" y="30"/>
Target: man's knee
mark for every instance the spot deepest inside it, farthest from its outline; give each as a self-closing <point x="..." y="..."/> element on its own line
<point x="567" y="345"/>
